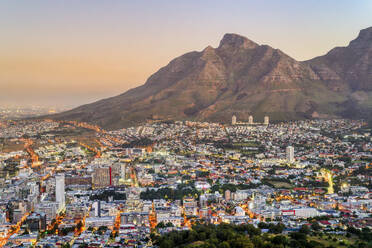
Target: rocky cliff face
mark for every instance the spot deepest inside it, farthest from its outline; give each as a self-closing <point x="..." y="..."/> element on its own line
<point x="349" y="66"/>
<point x="241" y="77"/>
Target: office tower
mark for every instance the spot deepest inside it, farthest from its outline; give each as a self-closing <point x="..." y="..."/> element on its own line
<point x="290" y="154"/>
<point x="60" y="190"/>
<point x="233" y="120"/>
<point x="266" y="120"/>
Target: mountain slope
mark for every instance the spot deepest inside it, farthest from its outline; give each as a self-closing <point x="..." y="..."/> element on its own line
<point x="350" y="69"/>
<point x="349" y="66"/>
<point x="238" y="77"/>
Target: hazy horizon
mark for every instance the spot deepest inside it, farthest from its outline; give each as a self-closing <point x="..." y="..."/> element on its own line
<point x="73" y="53"/>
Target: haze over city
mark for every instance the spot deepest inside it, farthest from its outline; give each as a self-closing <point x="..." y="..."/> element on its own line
<point x="76" y="52"/>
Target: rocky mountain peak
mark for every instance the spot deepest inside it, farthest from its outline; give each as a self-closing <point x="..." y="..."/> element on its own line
<point x="366" y="33"/>
<point x="231" y="40"/>
<point x="240" y="76"/>
<point x="209" y="50"/>
<point x="364" y="39"/>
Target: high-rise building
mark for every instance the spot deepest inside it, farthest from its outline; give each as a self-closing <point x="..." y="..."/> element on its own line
<point x="60" y="190"/>
<point x="233" y="120"/>
<point x="36" y="222"/>
<point x="49" y="208"/>
<point x="2" y="217"/>
<point x="203" y="201"/>
<point x="102" y="177"/>
<point x="290" y="154"/>
<point x="122" y="171"/>
<point x="250" y="119"/>
<point x="227" y="195"/>
<point x="266" y="120"/>
<point x="135" y="218"/>
<point x="97" y="208"/>
<point x="76" y="211"/>
<point x="78" y="180"/>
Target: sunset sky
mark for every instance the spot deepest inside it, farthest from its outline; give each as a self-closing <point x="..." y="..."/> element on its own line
<point x="75" y="52"/>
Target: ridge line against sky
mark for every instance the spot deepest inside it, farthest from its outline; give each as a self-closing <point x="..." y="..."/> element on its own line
<point x="75" y="52"/>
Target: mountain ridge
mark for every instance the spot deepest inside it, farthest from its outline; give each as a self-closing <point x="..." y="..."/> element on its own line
<point x="243" y="78"/>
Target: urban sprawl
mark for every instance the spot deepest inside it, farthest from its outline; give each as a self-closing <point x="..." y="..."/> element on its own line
<point x="70" y="184"/>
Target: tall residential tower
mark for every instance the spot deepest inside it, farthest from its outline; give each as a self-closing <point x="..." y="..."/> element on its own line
<point x="290" y="154"/>
<point x="60" y="191"/>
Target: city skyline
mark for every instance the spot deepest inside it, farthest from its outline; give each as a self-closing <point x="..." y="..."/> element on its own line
<point x="76" y="53"/>
<point x="222" y="124"/>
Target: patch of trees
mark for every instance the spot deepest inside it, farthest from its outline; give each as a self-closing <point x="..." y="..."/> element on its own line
<point x="229" y="236"/>
<point x="169" y="193"/>
<point x="232" y="187"/>
<point x="364" y="234"/>
<point x="316" y="184"/>
<point x="11" y="168"/>
<point x="273" y="228"/>
<point x="192" y="110"/>
<point x="163" y="225"/>
<point x="271" y="181"/>
<point x="66" y="230"/>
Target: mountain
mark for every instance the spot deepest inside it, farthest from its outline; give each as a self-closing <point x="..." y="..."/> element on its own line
<point x="243" y="78"/>
<point x="349" y="66"/>
<point x="349" y="70"/>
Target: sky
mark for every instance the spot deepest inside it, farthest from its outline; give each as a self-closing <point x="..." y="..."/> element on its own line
<point x="68" y="53"/>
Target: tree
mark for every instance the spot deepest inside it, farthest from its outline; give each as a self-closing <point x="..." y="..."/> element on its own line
<point x="315" y="226"/>
<point x="66" y="245"/>
<point x="280" y="240"/>
<point x="241" y="242"/>
<point x="160" y="225"/>
<point x="305" y="229"/>
<point x="263" y="225"/>
<point x="258" y="242"/>
<point x="102" y="228"/>
<point x="79" y="225"/>
<point x="167" y="244"/>
<point x="298" y="236"/>
<point x="278" y="228"/>
<point x="65" y="231"/>
<point x="169" y="224"/>
<point x="224" y="244"/>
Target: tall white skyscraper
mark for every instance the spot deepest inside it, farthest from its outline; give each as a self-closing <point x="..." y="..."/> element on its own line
<point x="60" y="190"/>
<point x="290" y="154"/>
<point x="122" y="171"/>
<point x="266" y="120"/>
